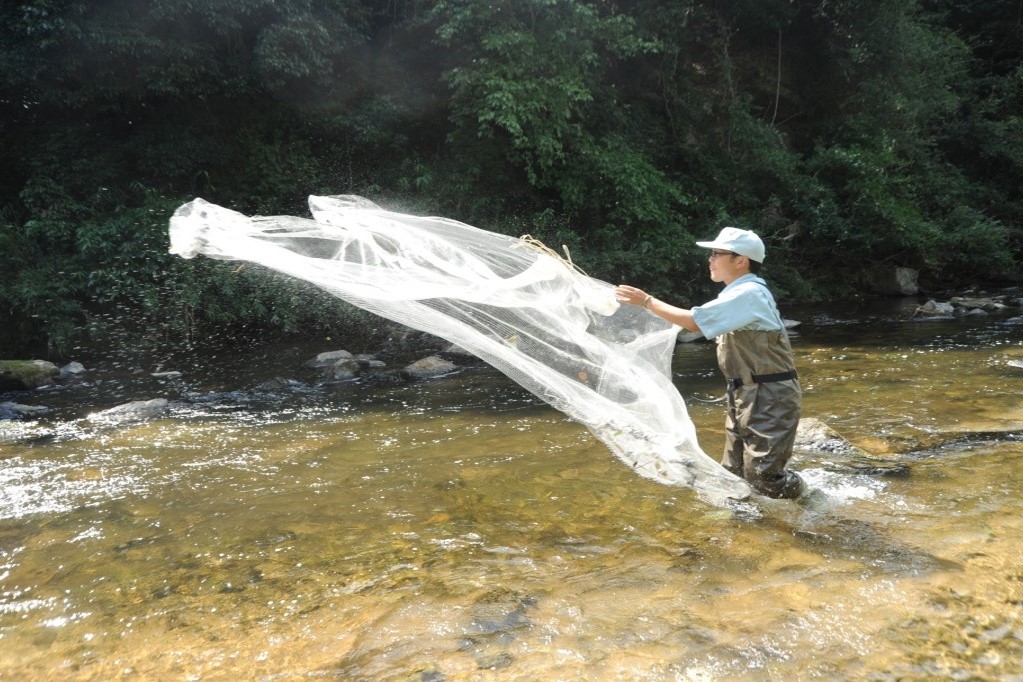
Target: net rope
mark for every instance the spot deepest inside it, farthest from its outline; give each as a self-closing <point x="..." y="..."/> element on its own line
<point x="514" y="303"/>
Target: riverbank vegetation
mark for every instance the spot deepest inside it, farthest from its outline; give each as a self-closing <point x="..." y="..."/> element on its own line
<point x="848" y="133"/>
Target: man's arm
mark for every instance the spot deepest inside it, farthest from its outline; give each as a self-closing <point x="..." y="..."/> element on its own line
<point x="683" y="317"/>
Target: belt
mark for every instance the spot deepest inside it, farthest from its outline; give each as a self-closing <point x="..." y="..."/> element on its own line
<point x="763" y="379"/>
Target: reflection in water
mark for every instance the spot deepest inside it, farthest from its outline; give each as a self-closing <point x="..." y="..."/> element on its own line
<point x="458" y="529"/>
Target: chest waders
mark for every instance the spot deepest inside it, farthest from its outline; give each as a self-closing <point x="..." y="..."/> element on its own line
<point x="764" y="401"/>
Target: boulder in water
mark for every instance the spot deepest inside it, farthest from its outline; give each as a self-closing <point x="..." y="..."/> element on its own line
<point x="72" y="370"/>
<point x="344" y="369"/>
<point x="430" y="367"/>
<point x="10" y="410"/>
<point x="971" y="304"/>
<point x="367" y="361"/>
<point x="25" y="375"/>
<point x="329" y="358"/>
<point x="136" y="410"/>
<point x="280" y="384"/>
<point x="935" y="309"/>
<point x="171" y="374"/>
<point x="814" y="434"/>
<point x="1011" y="359"/>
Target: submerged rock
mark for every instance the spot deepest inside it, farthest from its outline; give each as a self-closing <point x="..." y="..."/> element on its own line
<point x="339" y="365"/>
<point x="498" y="618"/>
<point x="328" y="359"/>
<point x="394" y="377"/>
<point x="814" y="434"/>
<point x="989" y="305"/>
<point x="344" y="369"/>
<point x="935" y="309"/>
<point x="1011" y="358"/>
<point x="136" y="410"/>
<point x="172" y="374"/>
<point x="11" y="410"/>
<point x="22" y="431"/>
<point x="430" y="367"/>
<point x="280" y="384"/>
<point x="367" y="361"/>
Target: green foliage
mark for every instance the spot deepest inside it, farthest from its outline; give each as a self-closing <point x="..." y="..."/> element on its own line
<point x="847" y="133"/>
<point x="872" y="185"/>
<point x="531" y="104"/>
<point x="120" y="276"/>
<point x="530" y="72"/>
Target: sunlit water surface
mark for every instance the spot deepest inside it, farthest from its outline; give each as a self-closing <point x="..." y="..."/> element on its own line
<point x="458" y="529"/>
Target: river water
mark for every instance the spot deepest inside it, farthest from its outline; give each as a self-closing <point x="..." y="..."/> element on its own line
<point x="459" y="529"/>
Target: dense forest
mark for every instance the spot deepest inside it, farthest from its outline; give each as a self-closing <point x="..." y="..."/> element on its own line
<point x="850" y="134"/>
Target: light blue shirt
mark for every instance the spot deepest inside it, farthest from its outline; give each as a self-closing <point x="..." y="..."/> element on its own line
<point x="745" y="304"/>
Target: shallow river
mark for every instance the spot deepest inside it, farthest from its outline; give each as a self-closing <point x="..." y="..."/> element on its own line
<point x="459" y="529"/>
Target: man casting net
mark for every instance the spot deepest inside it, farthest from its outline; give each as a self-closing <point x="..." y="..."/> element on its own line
<point x="515" y="304"/>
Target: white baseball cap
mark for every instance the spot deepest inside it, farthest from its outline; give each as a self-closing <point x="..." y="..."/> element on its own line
<point x="742" y="242"/>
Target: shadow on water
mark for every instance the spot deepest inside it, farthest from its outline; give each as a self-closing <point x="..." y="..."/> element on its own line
<point x="824" y="528"/>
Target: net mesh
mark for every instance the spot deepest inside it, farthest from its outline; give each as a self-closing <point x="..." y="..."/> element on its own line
<point x="512" y="302"/>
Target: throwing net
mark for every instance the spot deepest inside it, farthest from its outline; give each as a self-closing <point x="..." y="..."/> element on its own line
<point x="512" y="302"/>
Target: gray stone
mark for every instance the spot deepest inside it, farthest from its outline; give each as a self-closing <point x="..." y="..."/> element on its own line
<point x="430" y="367"/>
<point x="17" y="410"/>
<point x="72" y="370"/>
<point x="173" y="374"/>
<point x="138" y="409"/>
<point x="935" y="309"/>
<point x="455" y="349"/>
<point x="813" y="434"/>
<point x="394" y="377"/>
<point x="25" y="375"/>
<point x="976" y="303"/>
<point x="1011" y="358"/>
<point x="21" y="431"/>
<point x="279" y="384"/>
<point x="342" y="370"/>
<point x="329" y="358"/>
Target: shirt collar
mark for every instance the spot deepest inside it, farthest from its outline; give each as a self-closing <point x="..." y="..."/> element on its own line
<point x="748" y="277"/>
